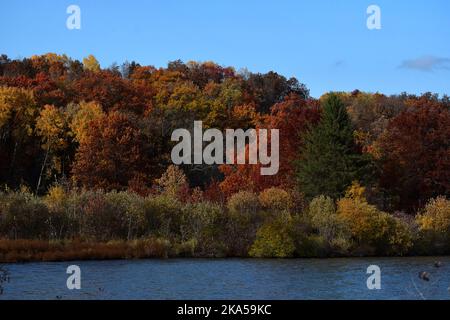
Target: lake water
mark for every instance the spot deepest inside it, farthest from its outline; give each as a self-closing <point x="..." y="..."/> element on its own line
<point x="231" y="279"/>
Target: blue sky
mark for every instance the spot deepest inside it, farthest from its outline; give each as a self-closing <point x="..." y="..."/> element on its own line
<point x="324" y="43"/>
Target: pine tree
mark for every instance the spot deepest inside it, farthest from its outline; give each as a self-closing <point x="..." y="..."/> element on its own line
<point x="329" y="160"/>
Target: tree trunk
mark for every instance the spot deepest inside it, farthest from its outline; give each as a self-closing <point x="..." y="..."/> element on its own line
<point x="42" y="169"/>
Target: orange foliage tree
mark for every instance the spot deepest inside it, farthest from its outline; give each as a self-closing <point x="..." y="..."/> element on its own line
<point x="292" y="117"/>
<point x="111" y="154"/>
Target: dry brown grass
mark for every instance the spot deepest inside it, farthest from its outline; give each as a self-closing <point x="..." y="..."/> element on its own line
<point x="38" y="250"/>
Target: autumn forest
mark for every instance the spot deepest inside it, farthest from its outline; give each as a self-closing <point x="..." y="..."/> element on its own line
<point x="86" y="171"/>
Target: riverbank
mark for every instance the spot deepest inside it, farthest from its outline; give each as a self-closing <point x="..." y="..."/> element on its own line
<point x="17" y="251"/>
<point x="66" y="250"/>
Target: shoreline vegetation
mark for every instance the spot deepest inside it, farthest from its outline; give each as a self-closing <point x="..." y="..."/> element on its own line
<point x="86" y="169"/>
<point x="27" y="251"/>
<point x="93" y="224"/>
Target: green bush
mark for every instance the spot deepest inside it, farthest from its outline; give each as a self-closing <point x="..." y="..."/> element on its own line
<point x="311" y="246"/>
<point x="185" y="248"/>
<point x="102" y="220"/>
<point x="23" y="216"/>
<point x="130" y="207"/>
<point x="163" y="214"/>
<point x="242" y="222"/>
<point x="324" y="220"/>
<point x="241" y="228"/>
<point x="67" y="209"/>
<point x="203" y="222"/>
<point x="57" y="203"/>
<point x="273" y="240"/>
<point x="400" y="237"/>
<point x="322" y="213"/>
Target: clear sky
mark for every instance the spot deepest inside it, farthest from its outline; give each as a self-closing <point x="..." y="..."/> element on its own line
<point x="324" y="43"/>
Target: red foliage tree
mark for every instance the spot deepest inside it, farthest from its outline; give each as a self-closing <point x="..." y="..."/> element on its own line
<point x="113" y="92"/>
<point x="46" y="91"/>
<point x="111" y="155"/>
<point x="416" y="154"/>
<point x="292" y="117"/>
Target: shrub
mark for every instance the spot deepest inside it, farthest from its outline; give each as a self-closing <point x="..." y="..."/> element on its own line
<point x="23" y="215"/>
<point x="130" y="207"/>
<point x="203" y="222"/>
<point x="373" y="230"/>
<point x="434" y="225"/>
<point x="366" y="223"/>
<point x="400" y="237"/>
<point x="322" y="213"/>
<point x="163" y="215"/>
<point x="273" y="240"/>
<point x="57" y="204"/>
<point x="243" y="203"/>
<point x="185" y="248"/>
<point x="275" y="200"/>
<point x="323" y="218"/>
<point x="101" y="220"/>
<point x="242" y="222"/>
<point x="72" y="208"/>
<point x="312" y="245"/>
<point x="435" y="216"/>
<point x="107" y="216"/>
<point x="67" y="209"/>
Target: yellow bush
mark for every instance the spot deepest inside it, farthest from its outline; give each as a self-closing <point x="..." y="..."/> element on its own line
<point x="366" y="222"/>
<point x="376" y="229"/>
<point x="436" y="216"/>
<point x="55" y="197"/>
<point x="355" y="191"/>
<point x="275" y="199"/>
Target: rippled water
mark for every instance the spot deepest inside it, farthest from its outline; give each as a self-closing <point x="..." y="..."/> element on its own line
<point x="231" y="279"/>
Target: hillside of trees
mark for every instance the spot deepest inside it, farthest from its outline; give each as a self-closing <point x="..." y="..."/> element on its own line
<point x="85" y="158"/>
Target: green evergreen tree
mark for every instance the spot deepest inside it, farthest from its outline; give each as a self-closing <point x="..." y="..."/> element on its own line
<point x="330" y="160"/>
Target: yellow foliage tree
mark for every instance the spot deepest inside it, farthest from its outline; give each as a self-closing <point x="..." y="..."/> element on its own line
<point x="55" y="197"/>
<point x="90" y="63"/>
<point x="173" y="181"/>
<point x="51" y="126"/>
<point x="83" y="114"/>
<point x="17" y="111"/>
